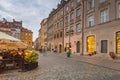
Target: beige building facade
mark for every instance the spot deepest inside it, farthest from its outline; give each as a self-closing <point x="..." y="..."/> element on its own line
<point x="102" y="26"/>
<point x="73" y="26"/>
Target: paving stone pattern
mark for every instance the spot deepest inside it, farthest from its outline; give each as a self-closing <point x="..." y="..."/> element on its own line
<point x="59" y="67"/>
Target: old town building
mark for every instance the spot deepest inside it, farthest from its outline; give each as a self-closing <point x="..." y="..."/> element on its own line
<point x="42" y="34"/>
<point x="55" y="28"/>
<point x="26" y="37"/>
<point x="11" y="28"/>
<point x="85" y="26"/>
<point x="73" y="26"/>
<point x="64" y="27"/>
<point x="17" y="30"/>
<point x="102" y="26"/>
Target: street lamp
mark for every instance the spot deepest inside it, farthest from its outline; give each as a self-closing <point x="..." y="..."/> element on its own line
<point x="69" y="52"/>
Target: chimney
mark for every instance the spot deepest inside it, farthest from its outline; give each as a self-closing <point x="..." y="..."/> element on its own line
<point x="4" y="20"/>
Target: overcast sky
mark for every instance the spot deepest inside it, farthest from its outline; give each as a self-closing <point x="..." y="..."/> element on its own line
<point x="31" y="12"/>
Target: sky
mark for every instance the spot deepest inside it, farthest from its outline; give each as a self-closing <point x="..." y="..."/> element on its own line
<point x="31" y="12"/>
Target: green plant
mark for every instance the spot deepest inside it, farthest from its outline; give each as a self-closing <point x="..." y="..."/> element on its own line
<point x="31" y="56"/>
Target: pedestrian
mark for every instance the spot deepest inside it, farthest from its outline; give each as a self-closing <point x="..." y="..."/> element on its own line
<point x="69" y="53"/>
<point x="45" y="51"/>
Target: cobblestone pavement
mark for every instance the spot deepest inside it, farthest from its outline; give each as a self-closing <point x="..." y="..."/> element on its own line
<point x="59" y="67"/>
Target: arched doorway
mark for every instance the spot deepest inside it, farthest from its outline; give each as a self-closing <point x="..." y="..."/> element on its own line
<point x="91" y="43"/>
<point x="60" y="48"/>
<point x="118" y="42"/>
<point x="78" y="47"/>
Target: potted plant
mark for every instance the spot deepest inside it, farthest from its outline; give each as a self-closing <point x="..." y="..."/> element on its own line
<point x="112" y="55"/>
<point x="30" y="58"/>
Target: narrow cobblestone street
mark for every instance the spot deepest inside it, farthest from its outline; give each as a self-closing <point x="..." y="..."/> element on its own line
<point x="59" y="67"/>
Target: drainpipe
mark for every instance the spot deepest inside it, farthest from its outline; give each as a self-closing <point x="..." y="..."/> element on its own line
<point x="82" y="27"/>
<point x="63" y="29"/>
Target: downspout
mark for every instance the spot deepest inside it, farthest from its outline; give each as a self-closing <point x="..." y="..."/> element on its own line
<point x="82" y="27"/>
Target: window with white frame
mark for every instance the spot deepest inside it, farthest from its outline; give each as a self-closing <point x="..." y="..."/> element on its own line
<point x="72" y="4"/>
<point x="66" y="8"/>
<point x="78" y="12"/>
<point x="91" y="4"/>
<point x="71" y="16"/>
<point x="61" y="23"/>
<point x="104" y="15"/>
<point x="90" y="21"/>
<point x="78" y="27"/>
<point x="119" y="10"/>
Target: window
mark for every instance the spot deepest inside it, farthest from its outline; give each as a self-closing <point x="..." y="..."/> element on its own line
<point x="71" y="29"/>
<point x="61" y="34"/>
<point x="66" y="31"/>
<point x="72" y="5"/>
<point x="78" y="1"/>
<point x="57" y="35"/>
<point x="61" y="23"/>
<point x="118" y="42"/>
<point x="66" y="8"/>
<point x="61" y="13"/>
<point x="104" y="16"/>
<point x="71" y="16"/>
<point x="91" y="3"/>
<point x="78" y="27"/>
<point x="91" y="21"/>
<point x="57" y="24"/>
<point x="102" y="1"/>
<point x="66" y="19"/>
<point x="78" y="12"/>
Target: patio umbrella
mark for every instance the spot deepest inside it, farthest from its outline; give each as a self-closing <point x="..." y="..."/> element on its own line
<point x="4" y="36"/>
<point x="9" y="42"/>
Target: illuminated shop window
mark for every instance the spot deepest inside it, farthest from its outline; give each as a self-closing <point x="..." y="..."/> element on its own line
<point x="118" y="42"/>
<point x="91" y="44"/>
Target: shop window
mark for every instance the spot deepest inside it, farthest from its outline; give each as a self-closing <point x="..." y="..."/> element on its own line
<point x="118" y="42"/>
<point x="90" y="43"/>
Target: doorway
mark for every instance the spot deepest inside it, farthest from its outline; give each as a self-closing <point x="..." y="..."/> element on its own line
<point x="78" y="47"/>
<point x="104" y="46"/>
<point x="60" y="48"/>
